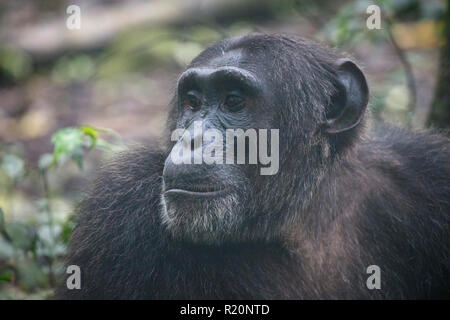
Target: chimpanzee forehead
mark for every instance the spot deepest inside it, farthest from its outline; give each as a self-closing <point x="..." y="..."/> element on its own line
<point x="238" y="58"/>
<point x="232" y="58"/>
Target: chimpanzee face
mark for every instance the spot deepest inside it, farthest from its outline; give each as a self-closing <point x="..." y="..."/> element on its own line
<point x="210" y="173"/>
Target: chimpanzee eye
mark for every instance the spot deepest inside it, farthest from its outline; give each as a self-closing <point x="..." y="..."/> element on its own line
<point x="234" y="102"/>
<point x="192" y="101"/>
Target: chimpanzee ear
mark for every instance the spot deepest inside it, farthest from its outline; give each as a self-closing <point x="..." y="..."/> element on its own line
<point x="349" y="103"/>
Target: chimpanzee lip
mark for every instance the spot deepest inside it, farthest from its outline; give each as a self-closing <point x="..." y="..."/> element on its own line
<point x="199" y="191"/>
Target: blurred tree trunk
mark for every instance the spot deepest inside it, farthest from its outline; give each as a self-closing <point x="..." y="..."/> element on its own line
<point x="440" y="109"/>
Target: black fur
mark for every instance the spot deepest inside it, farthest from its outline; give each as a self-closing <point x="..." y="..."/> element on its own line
<point x="338" y="204"/>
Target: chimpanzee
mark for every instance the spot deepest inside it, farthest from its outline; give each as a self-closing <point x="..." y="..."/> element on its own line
<point x="347" y="197"/>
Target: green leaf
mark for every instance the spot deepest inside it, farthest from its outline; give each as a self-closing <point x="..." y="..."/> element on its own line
<point x="67" y="229"/>
<point x="6" y="276"/>
<point x="92" y="133"/>
<point x="72" y="143"/>
<point x="66" y="141"/>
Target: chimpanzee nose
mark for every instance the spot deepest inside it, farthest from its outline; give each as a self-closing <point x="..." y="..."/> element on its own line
<point x="183" y="167"/>
<point x="178" y="175"/>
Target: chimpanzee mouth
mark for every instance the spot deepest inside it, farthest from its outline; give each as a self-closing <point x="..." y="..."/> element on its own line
<point x="203" y="190"/>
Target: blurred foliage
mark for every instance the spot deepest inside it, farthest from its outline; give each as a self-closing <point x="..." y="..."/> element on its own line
<point x="73" y="69"/>
<point x="14" y="63"/>
<point x="31" y="250"/>
<point x="348" y="27"/>
<point x="140" y="48"/>
<point x="389" y="101"/>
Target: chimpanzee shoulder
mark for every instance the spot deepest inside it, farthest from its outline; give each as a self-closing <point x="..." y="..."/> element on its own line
<point x="405" y="216"/>
<point x="423" y="154"/>
<point x="116" y="222"/>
